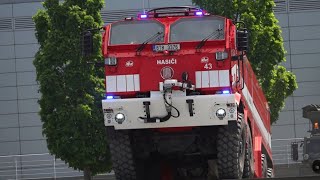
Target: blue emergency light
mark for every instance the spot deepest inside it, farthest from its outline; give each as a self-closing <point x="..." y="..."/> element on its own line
<point x="109" y="97"/>
<point x="225" y="92"/>
<point x="199" y="13"/>
<point x="143" y="16"/>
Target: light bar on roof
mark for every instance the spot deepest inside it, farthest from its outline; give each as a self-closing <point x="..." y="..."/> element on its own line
<point x="171" y="14"/>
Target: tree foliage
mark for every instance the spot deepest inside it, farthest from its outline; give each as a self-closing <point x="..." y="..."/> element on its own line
<point x="266" y="46"/>
<point x="71" y="89"/>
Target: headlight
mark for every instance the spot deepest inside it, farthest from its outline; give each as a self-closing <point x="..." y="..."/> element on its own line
<point x="306" y="156"/>
<point x="221" y="113"/>
<point x="119" y="118"/>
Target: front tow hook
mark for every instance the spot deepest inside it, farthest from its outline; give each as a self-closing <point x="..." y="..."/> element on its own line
<point x="147" y="109"/>
<point x="190" y="105"/>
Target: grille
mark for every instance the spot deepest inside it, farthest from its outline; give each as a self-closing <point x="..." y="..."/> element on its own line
<point x="5" y="24"/>
<point x="281" y="6"/>
<point x="299" y="5"/>
<point x="23" y="23"/>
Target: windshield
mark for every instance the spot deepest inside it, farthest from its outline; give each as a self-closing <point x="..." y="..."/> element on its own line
<point x="135" y="32"/>
<point x="196" y="29"/>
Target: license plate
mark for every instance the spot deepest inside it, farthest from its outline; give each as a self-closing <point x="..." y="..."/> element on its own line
<point x="166" y="47"/>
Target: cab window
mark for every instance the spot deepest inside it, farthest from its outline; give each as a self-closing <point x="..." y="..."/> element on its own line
<point x="135" y="32"/>
<point x="196" y="29"/>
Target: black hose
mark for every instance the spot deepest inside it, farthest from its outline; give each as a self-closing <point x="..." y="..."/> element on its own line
<point x="165" y="118"/>
<point x="165" y="100"/>
<point x="154" y="119"/>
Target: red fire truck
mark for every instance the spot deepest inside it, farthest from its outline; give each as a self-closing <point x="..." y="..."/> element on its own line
<point x="182" y="99"/>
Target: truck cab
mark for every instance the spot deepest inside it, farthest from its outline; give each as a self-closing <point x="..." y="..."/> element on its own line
<point x="186" y="55"/>
<point x="311" y="144"/>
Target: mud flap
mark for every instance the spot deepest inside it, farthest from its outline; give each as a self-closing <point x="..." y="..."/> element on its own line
<point x="257" y="155"/>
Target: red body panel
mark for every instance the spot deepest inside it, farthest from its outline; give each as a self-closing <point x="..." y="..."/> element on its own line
<point x="145" y="64"/>
<point x="149" y="70"/>
<point x="261" y="105"/>
<point x="257" y="141"/>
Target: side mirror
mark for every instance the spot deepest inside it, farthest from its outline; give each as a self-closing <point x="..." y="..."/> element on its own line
<point x="242" y="39"/>
<point x="294" y="151"/>
<point x="87" y="43"/>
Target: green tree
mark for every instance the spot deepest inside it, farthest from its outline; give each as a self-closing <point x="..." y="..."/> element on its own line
<point x="266" y="46"/>
<point x="71" y="89"/>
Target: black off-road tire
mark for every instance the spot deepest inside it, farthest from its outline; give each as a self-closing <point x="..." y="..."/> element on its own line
<point x="248" y="171"/>
<point x="121" y="150"/>
<point x="264" y="165"/>
<point x="231" y="150"/>
<point x="270" y="173"/>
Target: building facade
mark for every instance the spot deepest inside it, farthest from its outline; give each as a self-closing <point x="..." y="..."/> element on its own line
<point x="20" y="125"/>
<point x="299" y="21"/>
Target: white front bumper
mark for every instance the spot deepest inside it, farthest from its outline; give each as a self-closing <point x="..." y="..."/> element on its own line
<point x="204" y="108"/>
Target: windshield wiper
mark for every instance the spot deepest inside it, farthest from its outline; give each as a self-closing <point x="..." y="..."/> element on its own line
<point x="217" y="34"/>
<point x="141" y="47"/>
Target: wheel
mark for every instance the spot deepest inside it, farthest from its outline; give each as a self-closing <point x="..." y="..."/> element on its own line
<point x="248" y="171"/>
<point x="231" y="150"/>
<point x="131" y="156"/>
<point x="270" y="173"/>
<point x="123" y="162"/>
<point x="264" y="166"/>
<point x="316" y="166"/>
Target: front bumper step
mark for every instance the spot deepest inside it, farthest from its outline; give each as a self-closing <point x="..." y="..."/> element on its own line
<point x="140" y="113"/>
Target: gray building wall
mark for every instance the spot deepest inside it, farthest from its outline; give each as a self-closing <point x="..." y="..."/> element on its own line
<point x="20" y="126"/>
<point x="300" y="23"/>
